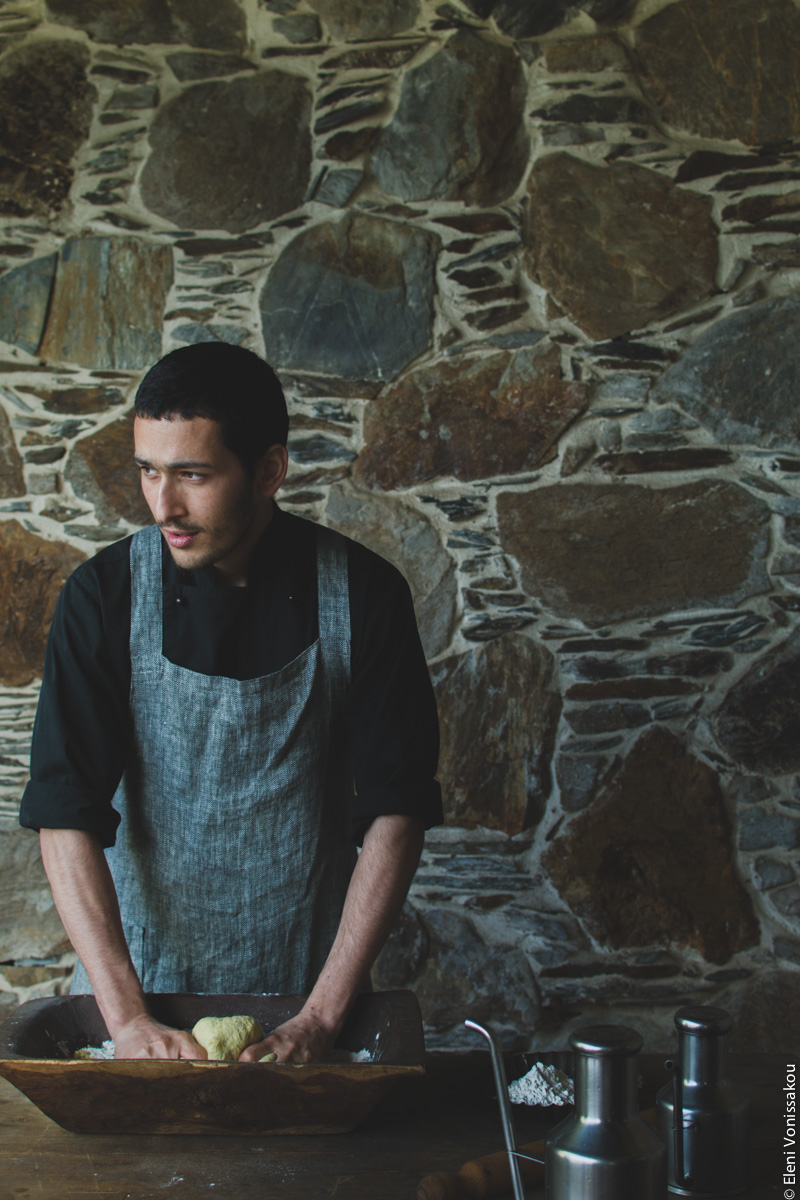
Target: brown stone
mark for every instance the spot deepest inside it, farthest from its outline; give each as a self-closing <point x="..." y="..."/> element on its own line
<point x="724" y="69"/>
<point x="401" y="534"/>
<point x="760" y="208"/>
<point x="608" y="552"/>
<point x="119" y="286"/>
<point x="26" y="977"/>
<point x="77" y="401"/>
<point x="32" y="573"/>
<point x="651" y="862"/>
<point x="382" y="58"/>
<point x="587" y="54"/>
<point x="638" y="688"/>
<point x="640" y="462"/>
<point x="351" y="143"/>
<point x="617" y="246"/>
<point x="479" y="222"/>
<point x="495" y="756"/>
<point x="775" y="255"/>
<point x="473" y="419"/>
<point x="215" y="149"/>
<point x="12" y="479"/>
<point x="45" y="115"/>
<point x="101" y="470"/>
<point x="208" y="24"/>
<point x="458" y="132"/>
<point x="758" y="723"/>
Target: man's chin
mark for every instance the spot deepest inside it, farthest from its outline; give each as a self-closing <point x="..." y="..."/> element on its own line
<point x="190" y="557"/>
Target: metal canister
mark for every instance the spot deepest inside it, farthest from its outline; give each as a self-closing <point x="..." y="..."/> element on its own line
<point x="703" y="1117"/>
<point x="604" y="1150"/>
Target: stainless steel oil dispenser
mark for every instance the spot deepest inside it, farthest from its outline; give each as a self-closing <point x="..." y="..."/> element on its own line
<point x="605" y="1150"/>
<point x="702" y="1116"/>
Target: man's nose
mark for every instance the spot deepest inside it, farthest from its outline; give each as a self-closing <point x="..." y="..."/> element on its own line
<point x="168" y="501"/>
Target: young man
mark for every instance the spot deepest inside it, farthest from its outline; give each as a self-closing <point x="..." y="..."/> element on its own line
<point x="233" y="699"/>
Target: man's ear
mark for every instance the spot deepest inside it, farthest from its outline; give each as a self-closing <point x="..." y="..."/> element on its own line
<point x="271" y="470"/>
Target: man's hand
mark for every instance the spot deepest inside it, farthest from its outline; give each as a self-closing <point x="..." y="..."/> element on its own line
<point x="302" y="1039"/>
<point x="145" y="1037"/>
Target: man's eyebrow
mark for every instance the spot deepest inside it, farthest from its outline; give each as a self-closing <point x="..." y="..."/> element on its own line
<point x="188" y="464"/>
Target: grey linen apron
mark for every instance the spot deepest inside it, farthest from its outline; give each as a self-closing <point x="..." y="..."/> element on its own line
<point x="232" y="859"/>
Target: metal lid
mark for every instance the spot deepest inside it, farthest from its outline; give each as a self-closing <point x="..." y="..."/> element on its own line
<point x="701" y="1020"/>
<point x="606" y="1040"/>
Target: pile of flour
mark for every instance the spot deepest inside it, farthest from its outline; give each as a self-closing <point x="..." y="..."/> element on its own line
<point x="542" y="1085"/>
<point x="104" y="1051"/>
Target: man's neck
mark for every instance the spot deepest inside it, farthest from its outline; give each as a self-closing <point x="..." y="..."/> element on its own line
<point x="232" y="571"/>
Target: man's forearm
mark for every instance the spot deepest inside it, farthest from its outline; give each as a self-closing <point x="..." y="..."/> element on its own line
<point x="86" y="900"/>
<point x="380" y="882"/>
<point x="386" y="865"/>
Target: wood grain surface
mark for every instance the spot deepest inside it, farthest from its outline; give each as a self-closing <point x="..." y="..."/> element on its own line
<point x="427" y="1124"/>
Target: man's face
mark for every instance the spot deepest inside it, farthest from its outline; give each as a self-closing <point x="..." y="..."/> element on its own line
<point x="208" y="509"/>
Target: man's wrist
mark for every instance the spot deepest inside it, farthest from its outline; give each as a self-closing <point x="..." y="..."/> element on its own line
<point x="121" y="1005"/>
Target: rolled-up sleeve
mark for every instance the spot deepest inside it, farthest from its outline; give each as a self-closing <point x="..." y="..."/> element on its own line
<point x="80" y="735"/>
<point x="392" y="714"/>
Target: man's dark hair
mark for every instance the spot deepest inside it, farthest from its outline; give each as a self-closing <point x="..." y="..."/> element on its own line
<point x="230" y="385"/>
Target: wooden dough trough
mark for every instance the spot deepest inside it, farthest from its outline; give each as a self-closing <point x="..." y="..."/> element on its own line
<point x="160" y="1096"/>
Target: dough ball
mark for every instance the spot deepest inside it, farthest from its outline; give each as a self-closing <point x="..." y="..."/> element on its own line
<point x="224" y="1038"/>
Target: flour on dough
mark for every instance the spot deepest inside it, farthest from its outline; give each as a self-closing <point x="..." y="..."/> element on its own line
<point x="224" y="1038"/>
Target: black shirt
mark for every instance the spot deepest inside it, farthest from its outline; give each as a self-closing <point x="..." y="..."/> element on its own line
<point x="81" y="734"/>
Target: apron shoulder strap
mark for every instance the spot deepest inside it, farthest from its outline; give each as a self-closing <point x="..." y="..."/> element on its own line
<point x="333" y="601"/>
<point x="146" y="599"/>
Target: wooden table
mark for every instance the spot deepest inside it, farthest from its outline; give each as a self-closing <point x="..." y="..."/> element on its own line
<point x="426" y="1124"/>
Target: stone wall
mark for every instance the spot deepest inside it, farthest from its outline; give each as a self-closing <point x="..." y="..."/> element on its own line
<point x="529" y="272"/>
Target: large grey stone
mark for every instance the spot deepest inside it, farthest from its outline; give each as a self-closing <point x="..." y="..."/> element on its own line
<point x="209" y="24"/>
<point x="758" y="723"/>
<point x="364" y="20"/>
<point x="45" y="115"/>
<point x="724" y="69"/>
<point x="12" y="479"/>
<point x="24" y="301"/>
<point x="406" y="538"/>
<point x="771" y="872"/>
<point x="617" y="246"/>
<point x="606" y="552"/>
<point x="352" y="298"/>
<point x="29" y="924"/>
<point x="230" y="155"/>
<point x="119" y="286"/>
<point x="461" y="974"/>
<point x="498" y="709"/>
<point x="458" y="132"/>
<point x="741" y="377"/>
<point x="766" y="1011"/>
